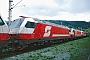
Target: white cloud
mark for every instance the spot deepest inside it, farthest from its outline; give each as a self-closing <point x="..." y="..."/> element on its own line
<point x="4" y="8"/>
<point x="68" y="16"/>
<point x="49" y="9"/>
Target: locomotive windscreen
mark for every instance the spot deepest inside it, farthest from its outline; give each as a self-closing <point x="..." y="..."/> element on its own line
<point x="16" y="23"/>
<point x="1" y="21"/>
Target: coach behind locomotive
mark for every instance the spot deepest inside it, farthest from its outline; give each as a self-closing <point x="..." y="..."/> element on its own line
<point x="4" y="33"/>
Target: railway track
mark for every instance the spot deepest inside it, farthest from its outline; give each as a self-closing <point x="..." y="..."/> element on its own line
<point x="32" y="47"/>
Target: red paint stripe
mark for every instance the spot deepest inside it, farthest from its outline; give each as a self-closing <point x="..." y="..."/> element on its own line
<point x="4" y="36"/>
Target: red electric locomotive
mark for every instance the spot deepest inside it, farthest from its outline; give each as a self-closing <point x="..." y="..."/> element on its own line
<point x="26" y="30"/>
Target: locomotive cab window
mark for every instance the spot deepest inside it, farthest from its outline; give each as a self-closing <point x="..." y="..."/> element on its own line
<point x="30" y="24"/>
<point x="1" y="21"/>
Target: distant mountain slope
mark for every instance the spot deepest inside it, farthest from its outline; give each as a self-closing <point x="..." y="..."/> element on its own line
<point x="75" y="24"/>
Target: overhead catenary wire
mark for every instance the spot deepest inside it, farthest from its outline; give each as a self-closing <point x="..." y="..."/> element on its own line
<point x="37" y="10"/>
<point x="16" y="4"/>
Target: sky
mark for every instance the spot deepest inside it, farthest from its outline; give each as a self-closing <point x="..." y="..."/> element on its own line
<point x="73" y="10"/>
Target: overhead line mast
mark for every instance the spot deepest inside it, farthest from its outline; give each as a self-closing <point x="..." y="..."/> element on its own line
<point x="10" y="11"/>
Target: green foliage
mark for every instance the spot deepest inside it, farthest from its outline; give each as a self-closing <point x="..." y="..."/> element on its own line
<point x="88" y="30"/>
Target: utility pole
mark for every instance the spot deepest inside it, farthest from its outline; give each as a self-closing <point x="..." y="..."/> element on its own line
<point x="10" y="11"/>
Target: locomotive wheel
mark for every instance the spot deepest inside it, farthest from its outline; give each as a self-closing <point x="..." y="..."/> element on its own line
<point x="17" y="46"/>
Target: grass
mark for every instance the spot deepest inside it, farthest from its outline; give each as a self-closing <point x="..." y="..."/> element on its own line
<point x="78" y="49"/>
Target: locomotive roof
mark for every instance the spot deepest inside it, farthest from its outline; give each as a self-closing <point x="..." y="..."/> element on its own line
<point x="49" y="23"/>
<point x="23" y="20"/>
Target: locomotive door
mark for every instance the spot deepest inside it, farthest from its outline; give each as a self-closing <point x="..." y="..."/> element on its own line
<point x="38" y="31"/>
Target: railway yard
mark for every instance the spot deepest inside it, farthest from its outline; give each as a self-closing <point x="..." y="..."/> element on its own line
<point x="72" y="50"/>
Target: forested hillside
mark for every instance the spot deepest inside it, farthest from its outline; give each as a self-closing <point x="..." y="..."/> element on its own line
<point x="74" y="24"/>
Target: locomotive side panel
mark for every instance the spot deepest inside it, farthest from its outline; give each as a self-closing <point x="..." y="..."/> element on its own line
<point x="44" y="31"/>
<point x="60" y="32"/>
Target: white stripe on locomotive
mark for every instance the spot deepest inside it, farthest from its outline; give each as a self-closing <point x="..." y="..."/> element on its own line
<point x="60" y="35"/>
